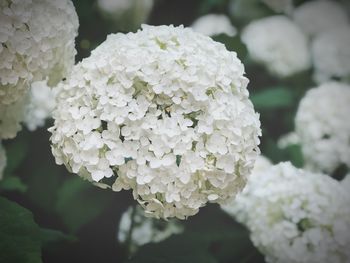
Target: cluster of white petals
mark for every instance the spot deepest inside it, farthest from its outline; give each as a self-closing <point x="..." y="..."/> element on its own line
<point x="32" y="110"/>
<point x="319" y="16"/>
<point x="331" y="54"/>
<point x="166" y="112"/>
<point x="41" y="104"/>
<point x="214" y="24"/>
<point x="3" y="160"/>
<point x="323" y="127"/>
<point x="279" y="44"/>
<point x="144" y="229"/>
<point x="295" y="216"/>
<point x="279" y="6"/>
<point x="36" y="42"/>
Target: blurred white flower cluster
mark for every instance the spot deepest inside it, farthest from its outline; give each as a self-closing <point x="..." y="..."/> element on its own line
<point x="323" y="128"/>
<point x="331" y="55"/>
<point x="32" y="110"/>
<point x="279" y="44"/>
<point x="214" y="24"/>
<point x="317" y="16"/>
<point x="164" y="110"/>
<point x="137" y="229"/>
<point x="2" y="160"/>
<point x="37" y="41"/>
<point x="295" y="216"/>
<point x="37" y="45"/>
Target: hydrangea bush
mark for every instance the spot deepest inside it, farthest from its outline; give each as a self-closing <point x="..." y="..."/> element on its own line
<point x="165" y="112"/>
<point x="322" y="128"/>
<point x="295" y="216"/>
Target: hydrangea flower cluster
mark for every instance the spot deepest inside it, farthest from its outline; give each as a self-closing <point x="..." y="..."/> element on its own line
<point x="2" y="160"/>
<point x="322" y="125"/>
<point x="42" y="103"/>
<point x="144" y="230"/>
<point x="214" y="24"/>
<point x="319" y="16"/>
<point x="36" y="42"/>
<point x="165" y="111"/>
<point x="32" y="110"/>
<point x="296" y="216"/>
<point x="279" y="44"/>
<point x="331" y="55"/>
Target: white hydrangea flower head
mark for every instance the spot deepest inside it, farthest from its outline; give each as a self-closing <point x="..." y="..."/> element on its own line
<point x="42" y="103"/>
<point x="145" y="229"/>
<point x="36" y="42"/>
<point x="319" y="16"/>
<point x="279" y="44"/>
<point x="295" y="216"/>
<point x="279" y="6"/>
<point x="331" y="55"/>
<point x="126" y="13"/>
<point x="166" y="112"/>
<point x="3" y="160"/>
<point x="11" y="117"/>
<point x="322" y="125"/>
<point x="214" y="24"/>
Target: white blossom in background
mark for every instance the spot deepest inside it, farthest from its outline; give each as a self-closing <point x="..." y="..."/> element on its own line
<point x="319" y="16"/>
<point x="31" y="110"/>
<point x="3" y="160"/>
<point x="166" y="112"/>
<point x="277" y="43"/>
<point x="144" y="229"/>
<point x="36" y="42"/>
<point x="279" y="6"/>
<point x="331" y="55"/>
<point x="323" y="127"/>
<point x="42" y="102"/>
<point x="295" y="216"/>
<point x="214" y="24"/>
<point x="127" y="14"/>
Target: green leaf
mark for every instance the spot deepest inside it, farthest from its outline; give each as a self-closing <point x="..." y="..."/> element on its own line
<point x="233" y="44"/>
<point x="248" y="10"/>
<point x="19" y="234"/>
<point x="49" y="236"/>
<point x="12" y="183"/>
<point x="79" y="202"/>
<point x="295" y="155"/>
<point x="211" y="236"/>
<point x="273" y="98"/>
<point x="16" y="151"/>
